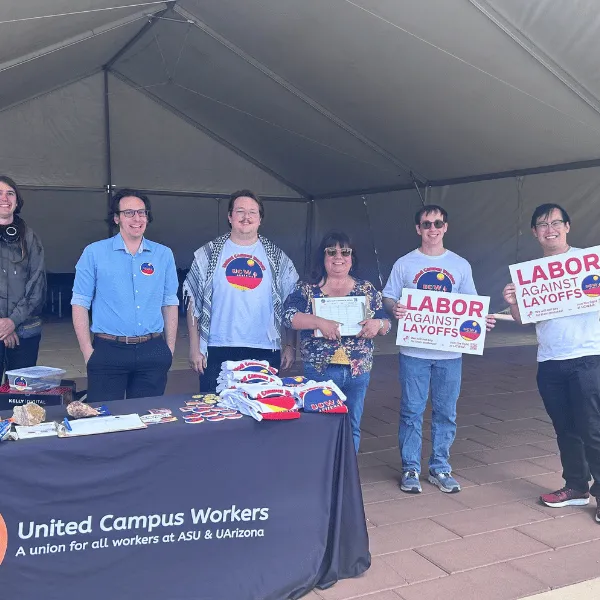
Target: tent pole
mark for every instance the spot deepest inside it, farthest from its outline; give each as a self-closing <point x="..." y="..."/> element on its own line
<point x="310" y="217"/>
<point x="109" y="183"/>
<point x="364" y="199"/>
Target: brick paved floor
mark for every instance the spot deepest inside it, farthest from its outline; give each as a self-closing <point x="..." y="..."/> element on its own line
<point x="492" y="541"/>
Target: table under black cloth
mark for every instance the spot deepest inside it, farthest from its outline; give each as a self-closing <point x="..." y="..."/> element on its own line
<point x="281" y="501"/>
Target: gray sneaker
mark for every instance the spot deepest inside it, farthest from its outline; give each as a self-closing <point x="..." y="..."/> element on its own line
<point x="445" y="482"/>
<point x="410" y="482"/>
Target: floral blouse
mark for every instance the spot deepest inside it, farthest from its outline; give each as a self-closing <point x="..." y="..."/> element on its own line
<point x="319" y="351"/>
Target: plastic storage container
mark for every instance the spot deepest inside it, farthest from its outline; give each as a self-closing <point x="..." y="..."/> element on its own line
<point x="35" y="379"/>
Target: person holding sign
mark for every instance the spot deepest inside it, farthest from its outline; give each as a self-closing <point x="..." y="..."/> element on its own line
<point x="568" y="374"/>
<point x="339" y="349"/>
<point x="434" y="269"/>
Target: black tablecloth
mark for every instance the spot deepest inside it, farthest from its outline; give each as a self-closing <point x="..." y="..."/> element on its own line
<point x="280" y="501"/>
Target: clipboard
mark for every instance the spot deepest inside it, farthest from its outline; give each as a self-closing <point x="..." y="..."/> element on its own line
<point x="95" y="425"/>
<point x="348" y="310"/>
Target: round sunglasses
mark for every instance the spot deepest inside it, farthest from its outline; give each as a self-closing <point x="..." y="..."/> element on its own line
<point x="438" y="223"/>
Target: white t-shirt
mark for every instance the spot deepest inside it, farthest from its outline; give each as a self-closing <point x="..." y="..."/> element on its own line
<point x="568" y="337"/>
<point x="242" y="305"/>
<point x="447" y="272"/>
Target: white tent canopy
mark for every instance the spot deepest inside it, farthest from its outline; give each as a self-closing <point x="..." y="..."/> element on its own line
<point x="342" y="113"/>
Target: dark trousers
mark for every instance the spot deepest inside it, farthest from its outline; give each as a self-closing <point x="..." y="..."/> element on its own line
<point x="21" y="356"/>
<point x="570" y="390"/>
<point x="117" y="370"/>
<point x="219" y="354"/>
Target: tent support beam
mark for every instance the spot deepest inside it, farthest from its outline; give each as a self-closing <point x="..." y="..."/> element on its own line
<point x="296" y="92"/>
<point x="573" y="166"/>
<point x="211" y="195"/>
<point x="151" y="21"/>
<point x="305" y="195"/>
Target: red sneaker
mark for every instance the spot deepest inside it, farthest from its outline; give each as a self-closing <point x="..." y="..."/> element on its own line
<point x="565" y="497"/>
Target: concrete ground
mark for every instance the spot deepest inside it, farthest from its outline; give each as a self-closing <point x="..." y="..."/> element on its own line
<point x="493" y="540"/>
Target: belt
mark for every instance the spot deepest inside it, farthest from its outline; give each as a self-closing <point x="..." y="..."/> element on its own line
<point x="125" y="339"/>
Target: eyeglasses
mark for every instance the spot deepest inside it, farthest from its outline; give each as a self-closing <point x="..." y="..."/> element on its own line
<point x="345" y="252"/>
<point x="246" y="213"/>
<point x="438" y="223"/>
<point x="129" y="212"/>
<point x="555" y="225"/>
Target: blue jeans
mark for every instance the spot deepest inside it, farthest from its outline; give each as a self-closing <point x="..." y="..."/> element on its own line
<point x="416" y="376"/>
<point x="355" y="389"/>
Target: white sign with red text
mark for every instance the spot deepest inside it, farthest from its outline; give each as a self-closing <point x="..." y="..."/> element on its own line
<point x="558" y="286"/>
<point x="443" y="321"/>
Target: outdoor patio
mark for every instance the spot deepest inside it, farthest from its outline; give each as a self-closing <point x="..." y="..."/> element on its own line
<point x="492" y="541"/>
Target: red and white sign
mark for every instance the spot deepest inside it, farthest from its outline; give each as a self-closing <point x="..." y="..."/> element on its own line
<point x="558" y="286"/>
<point x="443" y="321"/>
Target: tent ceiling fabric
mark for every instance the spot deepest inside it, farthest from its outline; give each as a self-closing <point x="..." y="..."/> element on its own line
<point x="197" y="75"/>
<point x="324" y="97"/>
<point x="58" y="66"/>
<point x="31" y="36"/>
<point x="572" y="45"/>
<point x="449" y="100"/>
<point x="183" y="158"/>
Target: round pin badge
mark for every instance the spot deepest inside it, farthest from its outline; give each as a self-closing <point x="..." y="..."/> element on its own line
<point x="147" y="268"/>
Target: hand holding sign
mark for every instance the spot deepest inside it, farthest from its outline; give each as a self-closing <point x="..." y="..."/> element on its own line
<point x="556" y="286"/>
<point x="444" y="321"/>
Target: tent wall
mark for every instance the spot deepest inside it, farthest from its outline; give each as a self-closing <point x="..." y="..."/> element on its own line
<point x="184" y="223"/>
<point x="375" y="223"/>
<point x="489" y="222"/>
<point x="66" y="222"/>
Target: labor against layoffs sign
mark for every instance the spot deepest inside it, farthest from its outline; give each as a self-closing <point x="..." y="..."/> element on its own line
<point x="558" y="286"/>
<point x="443" y="321"/>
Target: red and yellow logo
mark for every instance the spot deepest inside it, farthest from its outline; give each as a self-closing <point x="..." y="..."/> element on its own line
<point x="3" y="539"/>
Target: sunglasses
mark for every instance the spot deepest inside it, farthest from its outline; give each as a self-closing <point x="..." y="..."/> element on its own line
<point x="343" y="251"/>
<point x="438" y="224"/>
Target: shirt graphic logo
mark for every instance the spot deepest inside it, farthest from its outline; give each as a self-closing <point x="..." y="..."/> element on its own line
<point x="591" y="286"/>
<point x="244" y="272"/>
<point x="434" y="279"/>
<point x="147" y="268"/>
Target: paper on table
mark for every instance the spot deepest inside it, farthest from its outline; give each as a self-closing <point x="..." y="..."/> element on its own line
<point x="348" y="310"/>
<point x="110" y="424"/>
<point x="27" y="432"/>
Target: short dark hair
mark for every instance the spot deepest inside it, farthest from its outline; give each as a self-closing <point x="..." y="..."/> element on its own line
<point x="331" y="239"/>
<point x="427" y="210"/>
<point x="8" y="181"/>
<point x="125" y="193"/>
<point x="543" y="210"/>
<point x="246" y="194"/>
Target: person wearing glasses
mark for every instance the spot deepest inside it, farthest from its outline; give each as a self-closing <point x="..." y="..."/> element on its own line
<point x="130" y="283"/>
<point x="235" y="290"/>
<point x="434" y="268"/>
<point x="22" y="283"/>
<point x="347" y="360"/>
<point x="568" y="375"/>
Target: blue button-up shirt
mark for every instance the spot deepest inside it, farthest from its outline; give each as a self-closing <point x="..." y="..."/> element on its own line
<point x="126" y="292"/>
